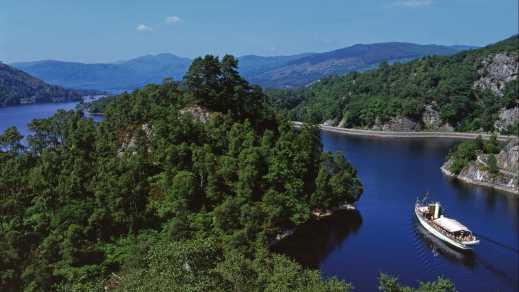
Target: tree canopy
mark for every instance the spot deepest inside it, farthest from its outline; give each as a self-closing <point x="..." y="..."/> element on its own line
<point x="152" y="188"/>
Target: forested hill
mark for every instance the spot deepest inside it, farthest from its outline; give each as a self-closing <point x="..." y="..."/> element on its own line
<point x="179" y="186"/>
<point x="309" y="68"/>
<point x="18" y="87"/>
<point x="471" y="91"/>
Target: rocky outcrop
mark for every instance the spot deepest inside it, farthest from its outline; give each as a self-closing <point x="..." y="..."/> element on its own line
<point x="446" y="128"/>
<point x="496" y="71"/>
<point x="507" y="118"/>
<point x="508" y="158"/>
<point x="397" y="124"/>
<point x="476" y="172"/>
<point x="129" y="142"/>
<point x="431" y="118"/>
<point x="197" y="112"/>
<point x="342" y="123"/>
<point x="330" y="123"/>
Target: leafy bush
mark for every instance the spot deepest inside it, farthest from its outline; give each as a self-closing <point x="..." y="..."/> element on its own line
<point x="466" y="152"/>
<point x="390" y="284"/>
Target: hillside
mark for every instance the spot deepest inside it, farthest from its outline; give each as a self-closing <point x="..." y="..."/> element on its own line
<point x="307" y="69"/>
<point x="471" y="91"/>
<point x="124" y="75"/>
<point x="485" y="163"/>
<point x="272" y="71"/>
<point x="18" y="87"/>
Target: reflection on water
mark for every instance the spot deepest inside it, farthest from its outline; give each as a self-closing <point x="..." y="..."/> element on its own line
<point x="462" y="257"/>
<point x="313" y="241"/>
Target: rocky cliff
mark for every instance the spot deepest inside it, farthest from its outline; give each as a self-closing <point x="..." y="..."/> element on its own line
<point x="506" y="119"/>
<point x="477" y="171"/>
<point x="496" y="71"/>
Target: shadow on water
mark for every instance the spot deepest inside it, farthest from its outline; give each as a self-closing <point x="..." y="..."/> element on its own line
<point x="313" y="241"/>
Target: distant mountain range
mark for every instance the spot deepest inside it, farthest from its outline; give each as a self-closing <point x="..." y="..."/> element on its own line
<point x="269" y="72"/>
<point x="18" y="87"/>
<point x="311" y="67"/>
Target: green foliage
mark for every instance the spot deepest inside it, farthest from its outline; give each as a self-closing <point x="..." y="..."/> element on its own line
<point x="513" y="129"/>
<point x="10" y="140"/>
<point x="492" y="164"/>
<point x="84" y="200"/>
<point x="511" y="93"/>
<point x="466" y="152"/>
<point x="199" y="265"/>
<point x="97" y="106"/>
<point x="390" y="284"/>
<point x="462" y="155"/>
<point x="218" y="86"/>
<point x="492" y="146"/>
<point x="403" y="90"/>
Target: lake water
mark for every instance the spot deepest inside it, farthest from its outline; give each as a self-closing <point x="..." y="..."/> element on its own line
<point x="20" y="116"/>
<point x="383" y="236"/>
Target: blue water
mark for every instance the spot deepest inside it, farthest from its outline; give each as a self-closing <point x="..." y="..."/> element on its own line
<point x="20" y="116"/>
<point x="382" y="236"/>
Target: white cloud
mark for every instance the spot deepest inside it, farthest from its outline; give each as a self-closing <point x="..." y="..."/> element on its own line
<point x="173" y="19"/>
<point x="414" y="3"/>
<point x="143" y="28"/>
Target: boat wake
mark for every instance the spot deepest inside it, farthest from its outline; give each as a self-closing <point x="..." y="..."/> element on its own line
<point x="426" y="243"/>
<point x="503" y="245"/>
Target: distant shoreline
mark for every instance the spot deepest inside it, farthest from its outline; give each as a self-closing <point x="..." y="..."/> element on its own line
<point x="394" y="134"/>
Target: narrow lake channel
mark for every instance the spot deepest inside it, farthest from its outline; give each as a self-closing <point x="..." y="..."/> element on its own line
<point x="383" y="235"/>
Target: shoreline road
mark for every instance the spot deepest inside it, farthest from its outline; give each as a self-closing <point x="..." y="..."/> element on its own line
<point x="395" y="134"/>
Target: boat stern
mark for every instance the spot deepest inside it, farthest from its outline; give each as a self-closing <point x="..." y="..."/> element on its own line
<point x="471" y="242"/>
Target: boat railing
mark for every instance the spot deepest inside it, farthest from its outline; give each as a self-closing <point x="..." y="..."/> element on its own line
<point x="459" y="238"/>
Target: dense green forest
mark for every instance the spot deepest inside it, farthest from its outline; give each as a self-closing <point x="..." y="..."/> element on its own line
<point x="404" y="90"/>
<point x="150" y="190"/>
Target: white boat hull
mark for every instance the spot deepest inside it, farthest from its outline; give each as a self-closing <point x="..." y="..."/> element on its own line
<point x="441" y="236"/>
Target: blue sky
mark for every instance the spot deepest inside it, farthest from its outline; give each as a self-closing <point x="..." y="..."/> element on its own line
<point x="111" y="30"/>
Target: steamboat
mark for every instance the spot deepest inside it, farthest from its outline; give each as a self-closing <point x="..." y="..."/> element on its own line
<point x="431" y="217"/>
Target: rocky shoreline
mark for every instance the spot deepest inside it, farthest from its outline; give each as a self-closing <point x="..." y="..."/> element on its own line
<point x="476" y="172"/>
<point x="478" y="182"/>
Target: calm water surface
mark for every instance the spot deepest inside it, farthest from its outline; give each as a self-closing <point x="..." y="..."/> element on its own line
<point x="20" y="116"/>
<point x="383" y="235"/>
